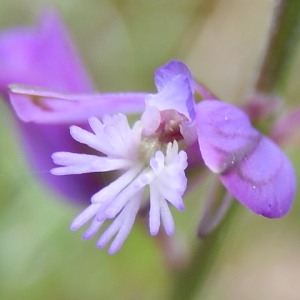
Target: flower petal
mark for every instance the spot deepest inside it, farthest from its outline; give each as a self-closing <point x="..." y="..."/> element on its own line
<point x="253" y="168"/>
<point x="175" y="92"/>
<point x="225" y="134"/>
<point x="42" y="56"/>
<point x="75" y="163"/>
<point x="264" y="181"/>
<point x="37" y="105"/>
<point x="166" y="73"/>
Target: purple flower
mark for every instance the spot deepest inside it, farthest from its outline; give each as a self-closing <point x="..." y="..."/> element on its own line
<point x="173" y="131"/>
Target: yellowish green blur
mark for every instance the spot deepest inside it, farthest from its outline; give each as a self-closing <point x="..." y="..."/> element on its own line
<point x="122" y="43"/>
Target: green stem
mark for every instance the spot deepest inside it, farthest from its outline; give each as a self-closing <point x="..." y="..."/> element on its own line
<point x="190" y="280"/>
<point x="281" y="42"/>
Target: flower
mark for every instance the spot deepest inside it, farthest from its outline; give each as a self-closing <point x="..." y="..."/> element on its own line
<point x="173" y="130"/>
<point x="142" y="163"/>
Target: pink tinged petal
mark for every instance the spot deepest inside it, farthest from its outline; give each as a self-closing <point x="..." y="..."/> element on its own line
<point x="264" y="181"/>
<point x="151" y="120"/>
<point x="225" y="134"/>
<point x="43" y="106"/>
<point x="74" y="163"/>
<point x="189" y="132"/>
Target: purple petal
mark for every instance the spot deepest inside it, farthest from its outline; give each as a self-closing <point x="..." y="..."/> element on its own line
<point x="164" y="74"/>
<point x="225" y="134"/>
<point x="175" y="93"/>
<point x="175" y="86"/>
<point x="254" y="170"/>
<point x="42" y="56"/>
<point x="45" y="56"/>
<point x="264" y="181"/>
<point x="42" y="106"/>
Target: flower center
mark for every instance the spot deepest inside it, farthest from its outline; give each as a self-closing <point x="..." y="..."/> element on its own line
<point x="169" y="129"/>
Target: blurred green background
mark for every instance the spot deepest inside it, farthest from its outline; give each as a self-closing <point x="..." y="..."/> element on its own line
<point x="122" y="43"/>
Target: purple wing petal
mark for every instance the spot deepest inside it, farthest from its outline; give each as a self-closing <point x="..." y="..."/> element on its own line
<point x="252" y="167"/>
<point x="225" y="134"/>
<point x="264" y="181"/>
<point x="42" y="106"/>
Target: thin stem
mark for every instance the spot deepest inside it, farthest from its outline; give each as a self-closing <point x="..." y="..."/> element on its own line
<point x="190" y="280"/>
<point x="281" y="42"/>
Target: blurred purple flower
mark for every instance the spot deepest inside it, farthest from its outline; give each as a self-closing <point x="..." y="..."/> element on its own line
<point x="172" y="131"/>
<point x="45" y="56"/>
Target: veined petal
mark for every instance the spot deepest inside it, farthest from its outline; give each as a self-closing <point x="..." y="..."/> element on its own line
<point x="175" y="93"/>
<point x="37" y="105"/>
<point x="225" y="134"/>
<point x="164" y="74"/>
<point x="252" y="167"/>
<point x="264" y="181"/>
